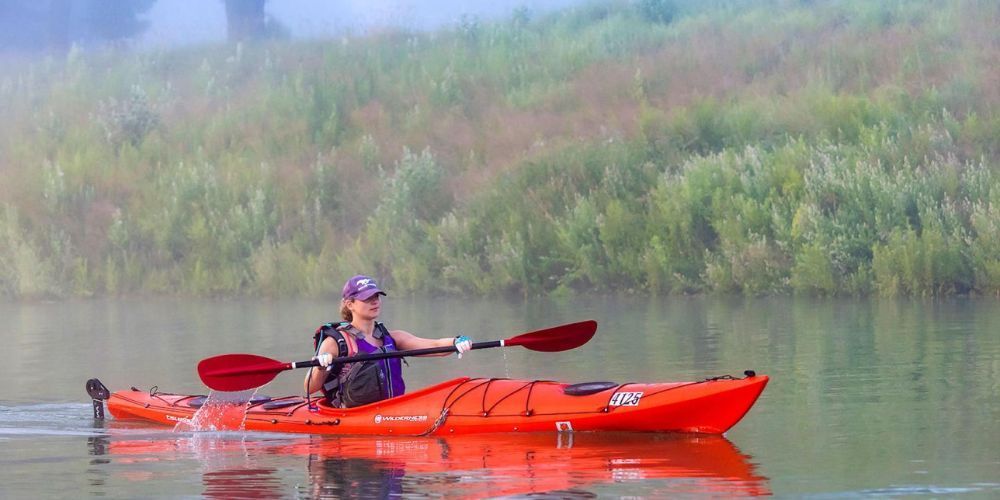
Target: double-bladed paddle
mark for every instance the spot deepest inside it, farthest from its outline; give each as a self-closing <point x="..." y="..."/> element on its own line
<point x="239" y="372"/>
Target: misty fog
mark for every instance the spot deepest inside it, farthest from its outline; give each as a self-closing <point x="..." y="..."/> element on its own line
<point x="28" y="25"/>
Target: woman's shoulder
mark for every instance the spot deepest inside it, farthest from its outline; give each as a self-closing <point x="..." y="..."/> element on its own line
<point x="330" y="343"/>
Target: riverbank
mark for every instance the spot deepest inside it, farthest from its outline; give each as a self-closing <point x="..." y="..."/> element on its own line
<point x="778" y="147"/>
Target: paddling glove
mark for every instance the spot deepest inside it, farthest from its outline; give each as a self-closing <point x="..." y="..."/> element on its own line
<point x="325" y="360"/>
<point x="463" y="344"/>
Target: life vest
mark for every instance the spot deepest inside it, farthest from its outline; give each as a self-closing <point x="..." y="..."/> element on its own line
<point x="356" y="384"/>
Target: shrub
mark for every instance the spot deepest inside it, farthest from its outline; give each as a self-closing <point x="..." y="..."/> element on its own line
<point x="813" y="272"/>
<point x="984" y="246"/>
<point x="919" y="264"/>
<point x="23" y="271"/>
<point x="129" y="120"/>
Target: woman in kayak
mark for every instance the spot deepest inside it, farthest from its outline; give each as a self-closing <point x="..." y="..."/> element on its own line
<point x="355" y="384"/>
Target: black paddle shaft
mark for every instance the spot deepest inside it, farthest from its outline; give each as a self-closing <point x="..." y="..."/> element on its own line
<point x="397" y="354"/>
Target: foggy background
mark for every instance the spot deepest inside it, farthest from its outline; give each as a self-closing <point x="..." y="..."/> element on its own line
<point x="54" y="25"/>
<point x="191" y="21"/>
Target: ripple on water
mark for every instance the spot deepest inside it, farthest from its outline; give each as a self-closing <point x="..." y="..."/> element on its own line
<point x="913" y="490"/>
<point x="47" y="419"/>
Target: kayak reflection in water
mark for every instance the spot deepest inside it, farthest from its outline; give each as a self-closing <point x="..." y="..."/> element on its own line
<point x="523" y="465"/>
<point x="354" y="478"/>
<point x="355" y="384"/>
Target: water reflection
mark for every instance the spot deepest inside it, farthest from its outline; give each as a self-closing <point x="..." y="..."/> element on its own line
<point x="338" y="477"/>
<point x="242" y="483"/>
<point x="580" y="465"/>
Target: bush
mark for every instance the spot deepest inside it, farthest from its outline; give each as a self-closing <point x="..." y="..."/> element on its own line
<point x="23" y="271"/>
<point x="984" y="246"/>
<point x="129" y="120"/>
<point x="919" y="264"/>
<point x="813" y="272"/>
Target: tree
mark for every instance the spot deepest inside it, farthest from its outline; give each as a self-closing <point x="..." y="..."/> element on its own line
<point x="32" y="25"/>
<point x="658" y="11"/>
<point x="246" y="20"/>
<point x="113" y="21"/>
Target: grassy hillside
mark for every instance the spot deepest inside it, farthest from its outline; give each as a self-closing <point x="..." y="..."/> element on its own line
<point x="822" y="147"/>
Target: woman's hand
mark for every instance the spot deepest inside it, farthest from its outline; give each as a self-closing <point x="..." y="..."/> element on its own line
<point x="325" y="360"/>
<point x="463" y="344"/>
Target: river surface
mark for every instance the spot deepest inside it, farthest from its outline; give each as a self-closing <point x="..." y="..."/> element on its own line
<point x="867" y="398"/>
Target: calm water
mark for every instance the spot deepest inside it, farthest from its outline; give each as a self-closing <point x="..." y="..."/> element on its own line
<point x="867" y="398"/>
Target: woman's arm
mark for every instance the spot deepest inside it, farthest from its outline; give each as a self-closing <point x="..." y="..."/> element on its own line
<point x="406" y="341"/>
<point x="317" y="375"/>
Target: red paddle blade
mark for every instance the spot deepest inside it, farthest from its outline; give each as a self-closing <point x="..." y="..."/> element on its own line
<point x="556" y="338"/>
<point x="239" y="372"/>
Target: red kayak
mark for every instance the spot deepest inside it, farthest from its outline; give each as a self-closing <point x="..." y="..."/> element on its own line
<point x="473" y="405"/>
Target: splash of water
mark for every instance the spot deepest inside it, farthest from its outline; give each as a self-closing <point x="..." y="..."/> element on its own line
<point x="221" y="411"/>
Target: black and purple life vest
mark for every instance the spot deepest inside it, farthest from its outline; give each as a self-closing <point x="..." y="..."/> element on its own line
<point x="373" y="380"/>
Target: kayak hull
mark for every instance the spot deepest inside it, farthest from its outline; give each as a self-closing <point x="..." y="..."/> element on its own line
<point x="472" y="405"/>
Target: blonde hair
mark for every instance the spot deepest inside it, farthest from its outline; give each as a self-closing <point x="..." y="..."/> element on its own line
<point x="345" y="312"/>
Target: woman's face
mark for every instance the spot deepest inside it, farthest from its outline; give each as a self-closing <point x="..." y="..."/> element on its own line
<point x="366" y="309"/>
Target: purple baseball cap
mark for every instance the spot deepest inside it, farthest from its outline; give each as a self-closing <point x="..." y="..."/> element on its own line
<point x="361" y="287"/>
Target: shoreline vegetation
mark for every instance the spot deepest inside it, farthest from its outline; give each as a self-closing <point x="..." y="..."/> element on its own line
<point x="845" y="147"/>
